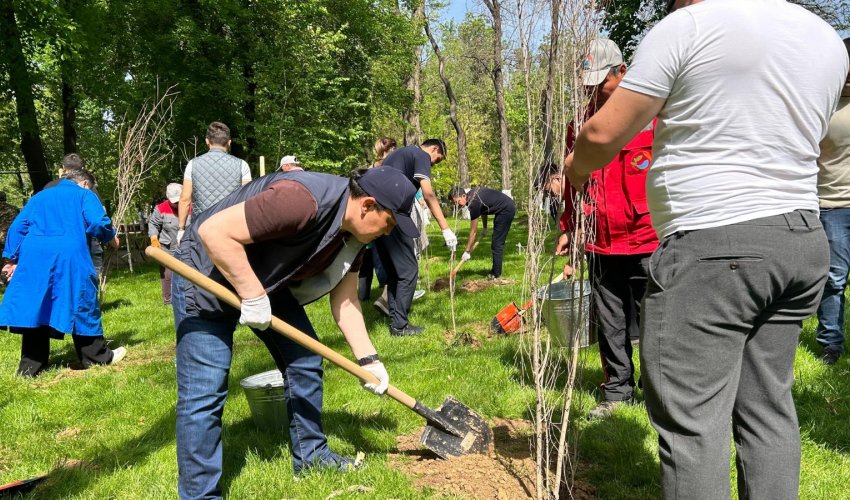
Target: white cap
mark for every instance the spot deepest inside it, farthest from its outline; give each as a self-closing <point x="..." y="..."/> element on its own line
<point x="173" y="192"/>
<point x="289" y="159"/>
<point x="602" y="55"/>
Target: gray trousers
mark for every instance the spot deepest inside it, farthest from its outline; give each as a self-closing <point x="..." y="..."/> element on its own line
<point x="720" y="323"/>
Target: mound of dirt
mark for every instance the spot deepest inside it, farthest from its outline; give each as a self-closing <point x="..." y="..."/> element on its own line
<point x="470" y="334"/>
<point x="440" y="284"/>
<point x="506" y="472"/>
<point x="471" y="286"/>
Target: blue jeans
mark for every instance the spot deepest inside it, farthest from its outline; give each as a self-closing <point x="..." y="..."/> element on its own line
<point x="204" y="352"/>
<point x="830" y="333"/>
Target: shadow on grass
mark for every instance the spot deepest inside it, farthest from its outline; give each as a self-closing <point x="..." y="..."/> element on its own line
<point x="69" y="482"/>
<point x="115" y="304"/>
<point x="822" y="396"/>
<point x="614" y="457"/>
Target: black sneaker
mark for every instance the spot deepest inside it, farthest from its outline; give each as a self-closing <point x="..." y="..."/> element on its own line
<point x="407" y="331"/>
<point x="830" y="357"/>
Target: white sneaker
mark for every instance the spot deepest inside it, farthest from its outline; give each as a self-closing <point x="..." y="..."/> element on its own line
<point x="418" y="294"/>
<point x="118" y="355"/>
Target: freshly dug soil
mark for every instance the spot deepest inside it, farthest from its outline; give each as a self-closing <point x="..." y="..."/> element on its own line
<point x="471" y="286"/>
<point x="506" y="472"/>
<point x="440" y="284"/>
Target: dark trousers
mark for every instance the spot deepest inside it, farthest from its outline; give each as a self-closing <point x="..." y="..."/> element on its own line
<point x="399" y="259"/>
<point x="165" y="283"/>
<point x="721" y="320"/>
<point x="618" y="284"/>
<point x="35" y="350"/>
<point x="371" y="263"/>
<point x="501" y="225"/>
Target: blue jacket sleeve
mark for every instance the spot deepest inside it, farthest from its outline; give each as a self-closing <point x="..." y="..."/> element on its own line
<point x="98" y="224"/>
<point x="16" y="234"/>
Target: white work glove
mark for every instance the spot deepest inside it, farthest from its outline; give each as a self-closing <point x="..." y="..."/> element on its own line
<point x="256" y="312"/>
<point x="377" y="369"/>
<point x="451" y="239"/>
<point x="180" y="233"/>
<point x="465" y="256"/>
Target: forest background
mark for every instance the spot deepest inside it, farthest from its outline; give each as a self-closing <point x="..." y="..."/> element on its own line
<point x="320" y="79"/>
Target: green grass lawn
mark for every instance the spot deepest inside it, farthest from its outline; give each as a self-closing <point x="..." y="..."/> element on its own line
<point x="119" y="421"/>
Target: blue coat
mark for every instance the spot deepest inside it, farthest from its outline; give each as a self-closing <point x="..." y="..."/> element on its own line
<point x="55" y="283"/>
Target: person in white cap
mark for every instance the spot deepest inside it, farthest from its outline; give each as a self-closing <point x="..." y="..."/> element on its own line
<point x="622" y="238"/>
<point x="162" y="230"/>
<point x="743" y="92"/>
<point x="290" y="163"/>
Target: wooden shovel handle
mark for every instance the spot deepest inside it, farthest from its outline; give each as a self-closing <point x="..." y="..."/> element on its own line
<point x="457" y="267"/>
<point x="278" y="325"/>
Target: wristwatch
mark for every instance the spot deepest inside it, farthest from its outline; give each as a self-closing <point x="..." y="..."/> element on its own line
<point x="367" y="360"/>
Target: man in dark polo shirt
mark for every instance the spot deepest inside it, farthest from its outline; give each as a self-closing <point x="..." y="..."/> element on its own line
<point x="396" y="250"/>
<point x="483" y="202"/>
<point x="280" y="242"/>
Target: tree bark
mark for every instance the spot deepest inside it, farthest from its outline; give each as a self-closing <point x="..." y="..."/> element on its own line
<point x="69" y="100"/>
<point x="249" y="109"/>
<point x="495" y="9"/>
<point x="413" y="130"/>
<point x="549" y="91"/>
<point x="462" y="163"/>
<point x="20" y="81"/>
<point x="69" y="109"/>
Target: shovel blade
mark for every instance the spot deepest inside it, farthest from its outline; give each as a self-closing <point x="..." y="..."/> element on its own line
<point x="456" y="431"/>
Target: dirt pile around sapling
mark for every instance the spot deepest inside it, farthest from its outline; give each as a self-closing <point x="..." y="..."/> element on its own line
<point x="473" y="286"/>
<point x="506" y="472"/>
<point x="470" y="286"/>
<point x="471" y="335"/>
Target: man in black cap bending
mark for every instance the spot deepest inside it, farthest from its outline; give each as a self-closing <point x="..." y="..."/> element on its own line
<point x="280" y="242"/>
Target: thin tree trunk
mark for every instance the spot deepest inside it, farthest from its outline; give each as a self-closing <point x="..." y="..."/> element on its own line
<point x="504" y="136"/>
<point x="69" y="109"/>
<point x="31" y="145"/>
<point x="548" y="93"/>
<point x="462" y="164"/>
<point x="249" y="109"/>
<point x="413" y="130"/>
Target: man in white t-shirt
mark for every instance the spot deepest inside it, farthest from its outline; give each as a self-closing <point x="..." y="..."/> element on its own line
<point x="210" y="177"/>
<point x="743" y="92"/>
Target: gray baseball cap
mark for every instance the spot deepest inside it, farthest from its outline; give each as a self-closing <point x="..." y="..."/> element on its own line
<point x="602" y="55"/>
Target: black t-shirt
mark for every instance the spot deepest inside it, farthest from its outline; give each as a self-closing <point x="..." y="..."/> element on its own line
<point x="485" y="201"/>
<point x="414" y="163"/>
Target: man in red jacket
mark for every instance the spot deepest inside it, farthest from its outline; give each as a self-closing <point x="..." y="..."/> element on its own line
<point x="620" y="237"/>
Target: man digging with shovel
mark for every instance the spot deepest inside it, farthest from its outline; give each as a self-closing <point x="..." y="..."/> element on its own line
<point x="280" y="242"/>
<point x="483" y="202"/>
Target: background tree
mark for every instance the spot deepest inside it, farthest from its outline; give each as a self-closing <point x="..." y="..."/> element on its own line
<point x="495" y="8"/>
<point x="21" y="86"/>
<point x="462" y="166"/>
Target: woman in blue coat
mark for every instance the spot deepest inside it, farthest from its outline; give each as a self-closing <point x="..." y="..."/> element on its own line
<point x="52" y="282"/>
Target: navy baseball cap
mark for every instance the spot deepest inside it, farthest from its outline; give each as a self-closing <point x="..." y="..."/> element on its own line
<point x="394" y="191"/>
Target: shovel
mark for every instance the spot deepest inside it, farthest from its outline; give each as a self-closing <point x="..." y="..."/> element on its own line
<point x="509" y="319"/>
<point x="457" y="267"/>
<point x="453" y="429"/>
